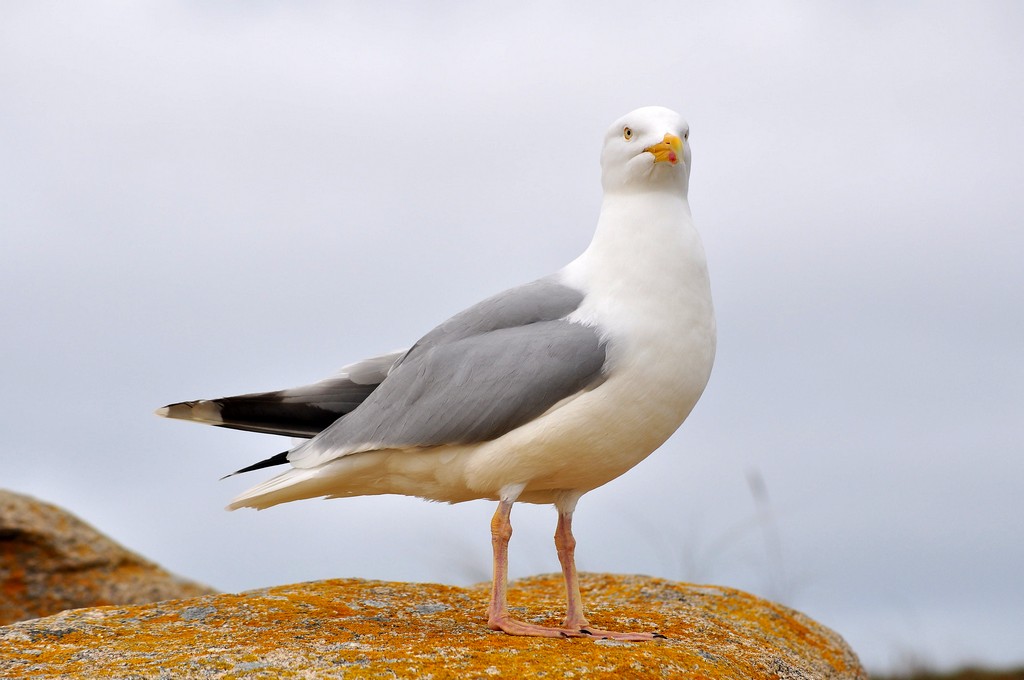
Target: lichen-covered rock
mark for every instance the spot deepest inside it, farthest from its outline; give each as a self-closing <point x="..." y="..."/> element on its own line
<point x="51" y="561"/>
<point x="370" y="629"/>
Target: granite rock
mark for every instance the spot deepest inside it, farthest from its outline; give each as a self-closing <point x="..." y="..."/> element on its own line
<point x="369" y="629"/>
<point x="51" y="561"/>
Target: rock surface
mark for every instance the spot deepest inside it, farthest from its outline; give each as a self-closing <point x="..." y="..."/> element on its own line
<point x="369" y="629"/>
<point x="51" y="561"/>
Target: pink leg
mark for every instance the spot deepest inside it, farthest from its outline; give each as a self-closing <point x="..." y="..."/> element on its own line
<point x="565" y="545"/>
<point x="497" y="612"/>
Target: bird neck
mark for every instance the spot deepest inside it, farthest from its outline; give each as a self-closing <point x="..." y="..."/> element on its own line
<point x="643" y="228"/>
<point x="646" y="283"/>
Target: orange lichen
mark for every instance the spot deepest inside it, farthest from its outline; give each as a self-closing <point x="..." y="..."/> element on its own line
<point x="355" y="629"/>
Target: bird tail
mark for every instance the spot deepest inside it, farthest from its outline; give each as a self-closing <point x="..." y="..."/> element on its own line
<point x="280" y="489"/>
<point x="355" y="475"/>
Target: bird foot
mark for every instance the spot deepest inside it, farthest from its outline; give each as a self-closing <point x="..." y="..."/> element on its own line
<point x="515" y="627"/>
<point x="598" y="633"/>
<point x="512" y="626"/>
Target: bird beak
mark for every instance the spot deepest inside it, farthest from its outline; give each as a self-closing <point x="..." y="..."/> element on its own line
<point x="669" y="150"/>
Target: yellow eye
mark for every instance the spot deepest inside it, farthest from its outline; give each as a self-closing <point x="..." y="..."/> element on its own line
<point x="627" y="133"/>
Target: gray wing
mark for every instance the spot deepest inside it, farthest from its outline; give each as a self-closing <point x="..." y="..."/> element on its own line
<point x="484" y="372"/>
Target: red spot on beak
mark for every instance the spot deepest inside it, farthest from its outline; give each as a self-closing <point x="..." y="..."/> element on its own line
<point x="672" y="158"/>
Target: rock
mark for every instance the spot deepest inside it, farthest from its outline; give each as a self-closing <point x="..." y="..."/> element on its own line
<point x="51" y="561"/>
<point x="361" y="629"/>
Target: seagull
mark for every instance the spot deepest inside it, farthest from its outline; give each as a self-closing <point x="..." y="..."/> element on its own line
<point x="538" y="394"/>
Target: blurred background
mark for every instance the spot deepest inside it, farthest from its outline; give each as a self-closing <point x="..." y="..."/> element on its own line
<point x="204" y="199"/>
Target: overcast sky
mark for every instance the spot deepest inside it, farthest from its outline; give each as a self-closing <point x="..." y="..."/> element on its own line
<point x="203" y="199"/>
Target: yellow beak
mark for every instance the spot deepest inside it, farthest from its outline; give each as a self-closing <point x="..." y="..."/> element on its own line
<point x="669" y="150"/>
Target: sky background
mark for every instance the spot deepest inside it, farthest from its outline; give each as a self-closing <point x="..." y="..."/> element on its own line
<point x="204" y="199"/>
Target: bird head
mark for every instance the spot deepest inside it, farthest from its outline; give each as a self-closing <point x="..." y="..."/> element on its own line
<point x="647" y="149"/>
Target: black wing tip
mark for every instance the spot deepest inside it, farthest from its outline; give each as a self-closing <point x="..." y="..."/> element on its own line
<point x="276" y="459"/>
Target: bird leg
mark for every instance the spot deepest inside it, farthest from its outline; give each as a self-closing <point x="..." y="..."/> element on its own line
<point x="575" y="620"/>
<point x="565" y="546"/>
<point x="497" y="613"/>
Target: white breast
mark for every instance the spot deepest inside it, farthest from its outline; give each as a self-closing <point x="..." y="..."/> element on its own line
<point x="647" y="289"/>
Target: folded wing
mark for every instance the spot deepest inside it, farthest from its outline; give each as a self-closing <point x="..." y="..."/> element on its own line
<point x="484" y="372"/>
<point x="469" y="390"/>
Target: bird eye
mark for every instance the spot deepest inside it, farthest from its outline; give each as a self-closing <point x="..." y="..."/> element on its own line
<point x="686" y="135"/>
<point x="627" y="133"/>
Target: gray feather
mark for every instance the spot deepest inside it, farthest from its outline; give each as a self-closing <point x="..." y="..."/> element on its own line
<point x="482" y="373"/>
<point x="542" y="300"/>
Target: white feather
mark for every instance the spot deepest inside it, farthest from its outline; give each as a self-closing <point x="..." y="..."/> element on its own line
<point x="646" y="289"/>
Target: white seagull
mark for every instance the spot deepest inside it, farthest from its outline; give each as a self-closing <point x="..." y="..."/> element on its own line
<point x="538" y="394"/>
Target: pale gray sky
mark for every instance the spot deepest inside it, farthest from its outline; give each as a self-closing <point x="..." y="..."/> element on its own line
<point x="202" y="199"/>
